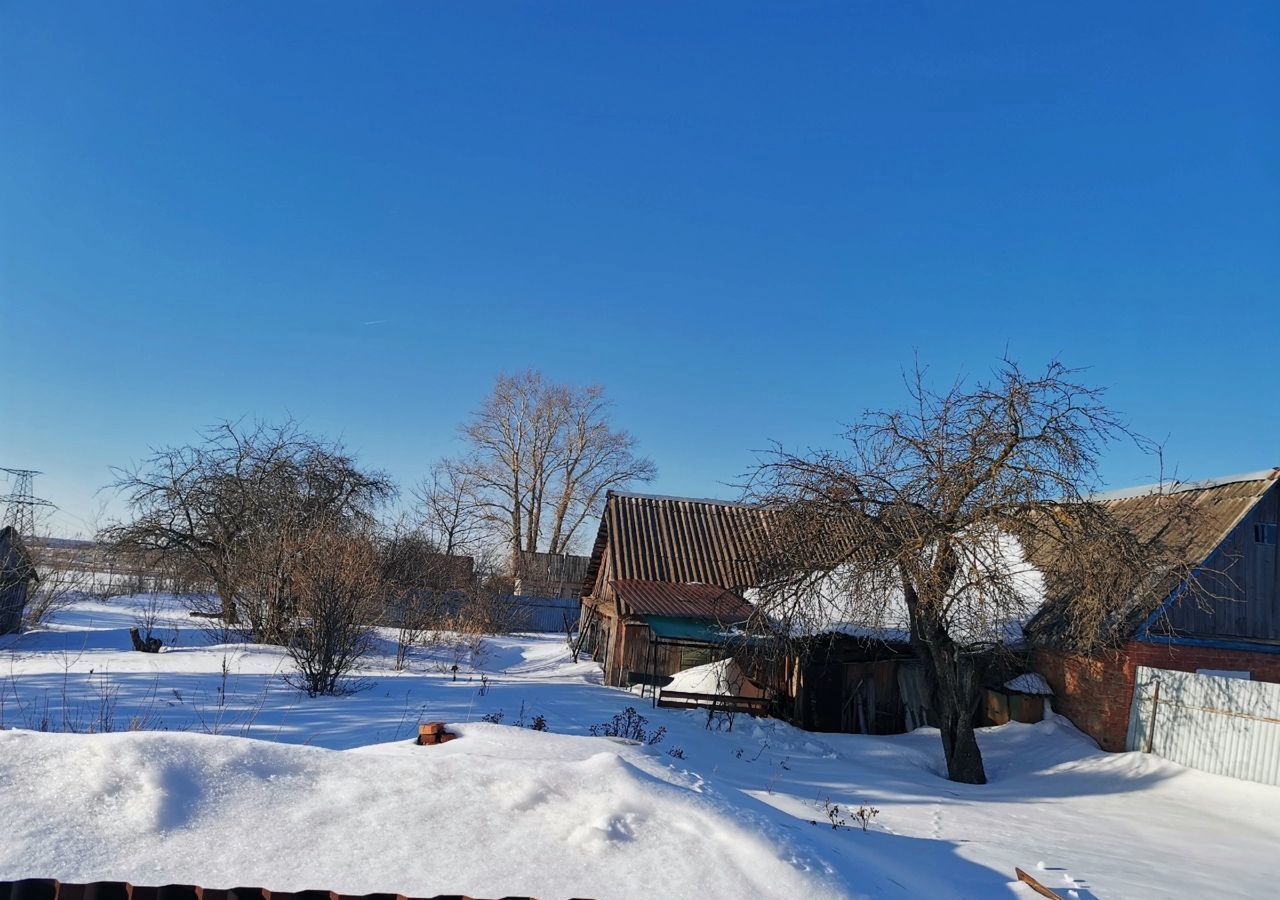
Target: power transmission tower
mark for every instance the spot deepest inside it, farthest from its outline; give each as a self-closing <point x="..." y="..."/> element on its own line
<point x="21" y="513"/>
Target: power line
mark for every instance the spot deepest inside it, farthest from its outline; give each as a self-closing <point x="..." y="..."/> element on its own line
<point x="21" y="512"/>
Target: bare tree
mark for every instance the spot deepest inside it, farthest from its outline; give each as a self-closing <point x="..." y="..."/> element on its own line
<point x="61" y="581"/>
<point x="62" y="569"/>
<point x="450" y="508"/>
<point x="208" y="502"/>
<point x="925" y="520"/>
<point x="541" y="457"/>
<point x="419" y="585"/>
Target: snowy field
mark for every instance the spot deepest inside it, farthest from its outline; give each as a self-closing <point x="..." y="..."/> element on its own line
<point x="239" y="779"/>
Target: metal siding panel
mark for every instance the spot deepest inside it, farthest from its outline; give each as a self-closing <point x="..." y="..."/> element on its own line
<point x="1227" y="726"/>
<point x="545" y="615"/>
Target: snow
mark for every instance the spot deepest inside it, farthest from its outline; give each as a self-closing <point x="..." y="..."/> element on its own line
<point x="994" y="564"/>
<point x="1029" y="683"/>
<point x="332" y="793"/>
<point x="473" y="815"/>
<point x="723" y="677"/>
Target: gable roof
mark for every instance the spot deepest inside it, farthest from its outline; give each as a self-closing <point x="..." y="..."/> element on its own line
<point x="691" y="601"/>
<point x="682" y="540"/>
<point x="1219" y="503"/>
<point x="1218" y="506"/>
<point x="679" y="540"/>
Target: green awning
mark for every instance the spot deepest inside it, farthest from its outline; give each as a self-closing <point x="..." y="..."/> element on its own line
<point x="694" y="631"/>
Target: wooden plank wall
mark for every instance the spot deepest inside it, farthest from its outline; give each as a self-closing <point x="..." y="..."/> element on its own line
<point x="1249" y="588"/>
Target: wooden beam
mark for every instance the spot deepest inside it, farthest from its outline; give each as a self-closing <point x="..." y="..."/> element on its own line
<point x="1035" y="885"/>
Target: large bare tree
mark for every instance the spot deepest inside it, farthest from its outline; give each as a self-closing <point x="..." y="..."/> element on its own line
<point x="925" y="519"/>
<point x="540" y="458"/>
<point x="222" y="501"/>
<point x="450" y="511"/>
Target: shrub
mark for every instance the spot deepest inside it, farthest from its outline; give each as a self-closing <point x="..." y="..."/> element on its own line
<point x="863" y="815"/>
<point x="631" y="725"/>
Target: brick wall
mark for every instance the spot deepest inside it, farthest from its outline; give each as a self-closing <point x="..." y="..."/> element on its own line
<point x="1095" y="692"/>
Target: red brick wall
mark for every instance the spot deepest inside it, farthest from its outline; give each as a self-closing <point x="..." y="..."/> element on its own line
<point x="1095" y="692"/>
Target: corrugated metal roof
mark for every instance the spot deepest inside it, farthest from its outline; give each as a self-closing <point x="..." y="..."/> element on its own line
<point x="692" y="601"/>
<point x="679" y="541"/>
<point x="695" y="631"/>
<point x="734" y="545"/>
<point x="1217" y="506"/>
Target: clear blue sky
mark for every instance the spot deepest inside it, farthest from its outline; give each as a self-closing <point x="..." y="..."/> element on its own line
<point x="743" y="219"/>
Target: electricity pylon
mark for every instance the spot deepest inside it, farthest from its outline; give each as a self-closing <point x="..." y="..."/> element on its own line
<point x="22" y="503"/>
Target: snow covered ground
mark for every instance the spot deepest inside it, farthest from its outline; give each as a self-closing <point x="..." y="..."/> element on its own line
<point x="239" y="779"/>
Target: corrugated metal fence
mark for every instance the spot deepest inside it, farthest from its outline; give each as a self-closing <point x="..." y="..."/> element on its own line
<point x="1228" y="726"/>
<point x="552" y="615"/>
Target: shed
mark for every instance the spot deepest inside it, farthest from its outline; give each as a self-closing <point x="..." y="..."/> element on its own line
<point x="646" y="631"/>
<point x="17" y="575"/>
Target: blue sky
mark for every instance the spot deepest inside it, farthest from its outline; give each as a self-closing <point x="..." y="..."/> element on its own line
<point x="743" y="219"/>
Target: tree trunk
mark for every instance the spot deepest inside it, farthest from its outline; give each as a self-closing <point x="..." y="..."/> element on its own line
<point x="955" y="692"/>
<point x="955" y="696"/>
<point x="227" y="595"/>
<point x="960" y="746"/>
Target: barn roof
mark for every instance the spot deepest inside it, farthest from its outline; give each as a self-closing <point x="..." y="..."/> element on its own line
<point x="692" y="601"/>
<point x="1217" y="506"/>
<point x="679" y="540"/>
<point x="682" y="540"/>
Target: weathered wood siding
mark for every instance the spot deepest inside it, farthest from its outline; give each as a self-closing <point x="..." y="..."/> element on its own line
<point x="1242" y="574"/>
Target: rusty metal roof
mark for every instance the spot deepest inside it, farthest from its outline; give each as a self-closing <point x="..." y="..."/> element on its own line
<point x="678" y="541"/>
<point x="691" y="601"/>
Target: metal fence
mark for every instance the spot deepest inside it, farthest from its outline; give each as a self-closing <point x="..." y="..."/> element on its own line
<point x="551" y="615"/>
<point x="1227" y="726"/>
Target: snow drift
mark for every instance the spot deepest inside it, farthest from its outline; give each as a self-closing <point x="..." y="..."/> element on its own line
<point x="488" y="815"/>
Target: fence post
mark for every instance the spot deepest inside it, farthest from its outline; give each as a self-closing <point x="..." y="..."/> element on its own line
<point x="1151" y="726"/>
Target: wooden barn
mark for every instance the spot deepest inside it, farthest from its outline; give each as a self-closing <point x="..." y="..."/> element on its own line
<point x="1236" y="632"/>
<point x="17" y="576"/>
<point x="664" y="591"/>
<point x="664" y="583"/>
<point x="857" y="684"/>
